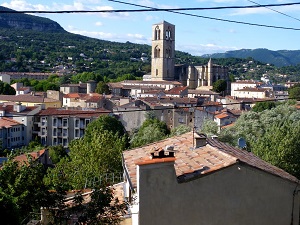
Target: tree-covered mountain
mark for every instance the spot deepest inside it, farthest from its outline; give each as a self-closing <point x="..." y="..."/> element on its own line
<point x="28" y="22"/>
<point x="278" y="58"/>
<point x="29" y="44"/>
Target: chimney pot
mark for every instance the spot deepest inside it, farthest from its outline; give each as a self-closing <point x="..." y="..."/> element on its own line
<point x="200" y="140"/>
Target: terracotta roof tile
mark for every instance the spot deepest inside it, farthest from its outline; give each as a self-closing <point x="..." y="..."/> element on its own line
<point x="61" y="112"/>
<point x="24" y="157"/>
<point x="190" y="162"/>
<point x="7" y="122"/>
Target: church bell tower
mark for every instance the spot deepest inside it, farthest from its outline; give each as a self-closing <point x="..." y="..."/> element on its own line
<point x="163" y="51"/>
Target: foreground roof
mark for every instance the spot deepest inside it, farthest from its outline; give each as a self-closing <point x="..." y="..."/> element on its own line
<point x="190" y="162"/>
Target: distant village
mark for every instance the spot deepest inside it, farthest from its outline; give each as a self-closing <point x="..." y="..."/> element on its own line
<point x="177" y="95"/>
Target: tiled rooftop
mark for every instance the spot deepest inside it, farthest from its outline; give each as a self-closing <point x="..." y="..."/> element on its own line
<point x="7" y="122"/>
<point x="24" y="157"/>
<point x="176" y="90"/>
<point x="200" y="161"/>
<point x="25" y="98"/>
<point x="77" y="112"/>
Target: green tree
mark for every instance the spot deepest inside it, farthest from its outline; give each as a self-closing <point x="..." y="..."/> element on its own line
<point x="261" y="106"/>
<point x="294" y="93"/>
<point x="89" y="158"/>
<point x="151" y="130"/>
<point x="105" y="122"/>
<point x="57" y="153"/>
<point x="181" y="129"/>
<point x="271" y="134"/>
<point x="220" y="86"/>
<point x="210" y="127"/>
<point x="102" y="88"/>
<point x="6" y="89"/>
<point x="23" y="188"/>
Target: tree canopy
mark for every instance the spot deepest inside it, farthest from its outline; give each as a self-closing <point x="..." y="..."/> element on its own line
<point x="6" y="89"/>
<point x="273" y="135"/>
<point x="151" y="130"/>
<point x="220" y="86"/>
<point x="294" y="92"/>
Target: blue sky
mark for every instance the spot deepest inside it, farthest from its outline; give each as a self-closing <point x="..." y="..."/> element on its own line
<point x="194" y="35"/>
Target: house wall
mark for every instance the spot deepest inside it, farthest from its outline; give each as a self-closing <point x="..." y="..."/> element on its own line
<point x="239" y="194"/>
<point x="132" y="120"/>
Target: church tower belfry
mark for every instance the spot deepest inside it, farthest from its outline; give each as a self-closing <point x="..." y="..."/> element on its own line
<point x="163" y="51"/>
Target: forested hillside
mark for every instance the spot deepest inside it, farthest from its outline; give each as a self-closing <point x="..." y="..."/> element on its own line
<point x="36" y="44"/>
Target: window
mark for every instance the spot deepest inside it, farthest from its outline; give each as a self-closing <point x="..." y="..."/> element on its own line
<point x="168" y="33"/>
<point x="157" y="33"/>
<point x="156" y="72"/>
<point x="77" y="123"/>
<point x="54" y="121"/>
<point x="180" y="120"/>
<point x="65" y="122"/>
<point x="156" y="52"/>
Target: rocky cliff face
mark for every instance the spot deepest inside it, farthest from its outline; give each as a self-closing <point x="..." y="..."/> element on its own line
<point x="10" y="19"/>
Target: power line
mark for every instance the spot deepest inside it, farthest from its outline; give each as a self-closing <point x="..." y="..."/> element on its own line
<point x="213" y="18"/>
<point x="149" y="9"/>
<point x="275" y="11"/>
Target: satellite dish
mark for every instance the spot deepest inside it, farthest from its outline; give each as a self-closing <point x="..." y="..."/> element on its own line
<point x="242" y="143"/>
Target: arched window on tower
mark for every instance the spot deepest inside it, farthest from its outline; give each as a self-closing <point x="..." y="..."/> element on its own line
<point x="156" y="52"/>
<point x="168" y="33"/>
<point x="157" y="33"/>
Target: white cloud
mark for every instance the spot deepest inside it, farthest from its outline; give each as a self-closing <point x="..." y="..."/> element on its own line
<point x="202" y="49"/>
<point x="98" y="24"/>
<point x="134" y="38"/>
<point x="22" y="5"/>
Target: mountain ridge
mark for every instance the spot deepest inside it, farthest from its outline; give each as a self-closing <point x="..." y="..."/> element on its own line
<point x="27" y="22"/>
<point x="278" y="58"/>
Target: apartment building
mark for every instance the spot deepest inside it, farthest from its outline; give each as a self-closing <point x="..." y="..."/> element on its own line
<point x="60" y="126"/>
<point x="12" y="133"/>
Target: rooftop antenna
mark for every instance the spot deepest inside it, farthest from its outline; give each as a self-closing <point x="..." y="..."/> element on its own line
<point x="242" y="143"/>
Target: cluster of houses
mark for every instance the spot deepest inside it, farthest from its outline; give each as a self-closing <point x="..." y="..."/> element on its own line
<point x="187" y="179"/>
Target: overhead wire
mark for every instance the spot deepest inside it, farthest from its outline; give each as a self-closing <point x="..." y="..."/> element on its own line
<point x="213" y="18"/>
<point x="149" y="9"/>
<point x="268" y="7"/>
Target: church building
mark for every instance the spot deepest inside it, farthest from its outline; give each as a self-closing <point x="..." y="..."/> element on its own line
<point x="163" y="66"/>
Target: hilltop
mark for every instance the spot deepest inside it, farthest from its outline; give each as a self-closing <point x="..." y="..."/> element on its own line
<point x="27" y="22"/>
<point x="36" y="44"/>
<point x="278" y="58"/>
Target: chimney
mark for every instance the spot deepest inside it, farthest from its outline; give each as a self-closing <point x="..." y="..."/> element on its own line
<point x="200" y="140"/>
<point x="18" y="107"/>
<point x="159" y="153"/>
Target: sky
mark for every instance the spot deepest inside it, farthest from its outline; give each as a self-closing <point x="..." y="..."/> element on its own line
<point x="195" y="35"/>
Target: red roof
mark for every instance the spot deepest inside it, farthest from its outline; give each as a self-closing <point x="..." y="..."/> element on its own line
<point x="195" y="162"/>
<point x="176" y="90"/>
<point x="24" y="157"/>
<point x="7" y="122"/>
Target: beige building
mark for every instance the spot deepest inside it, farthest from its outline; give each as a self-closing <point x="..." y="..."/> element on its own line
<point x="163" y="51"/>
<point x="191" y="179"/>
<point x="92" y="100"/>
<point x="60" y="126"/>
<point x="249" y="92"/>
<point x="12" y="133"/>
<point x="31" y="100"/>
<point x="163" y="62"/>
